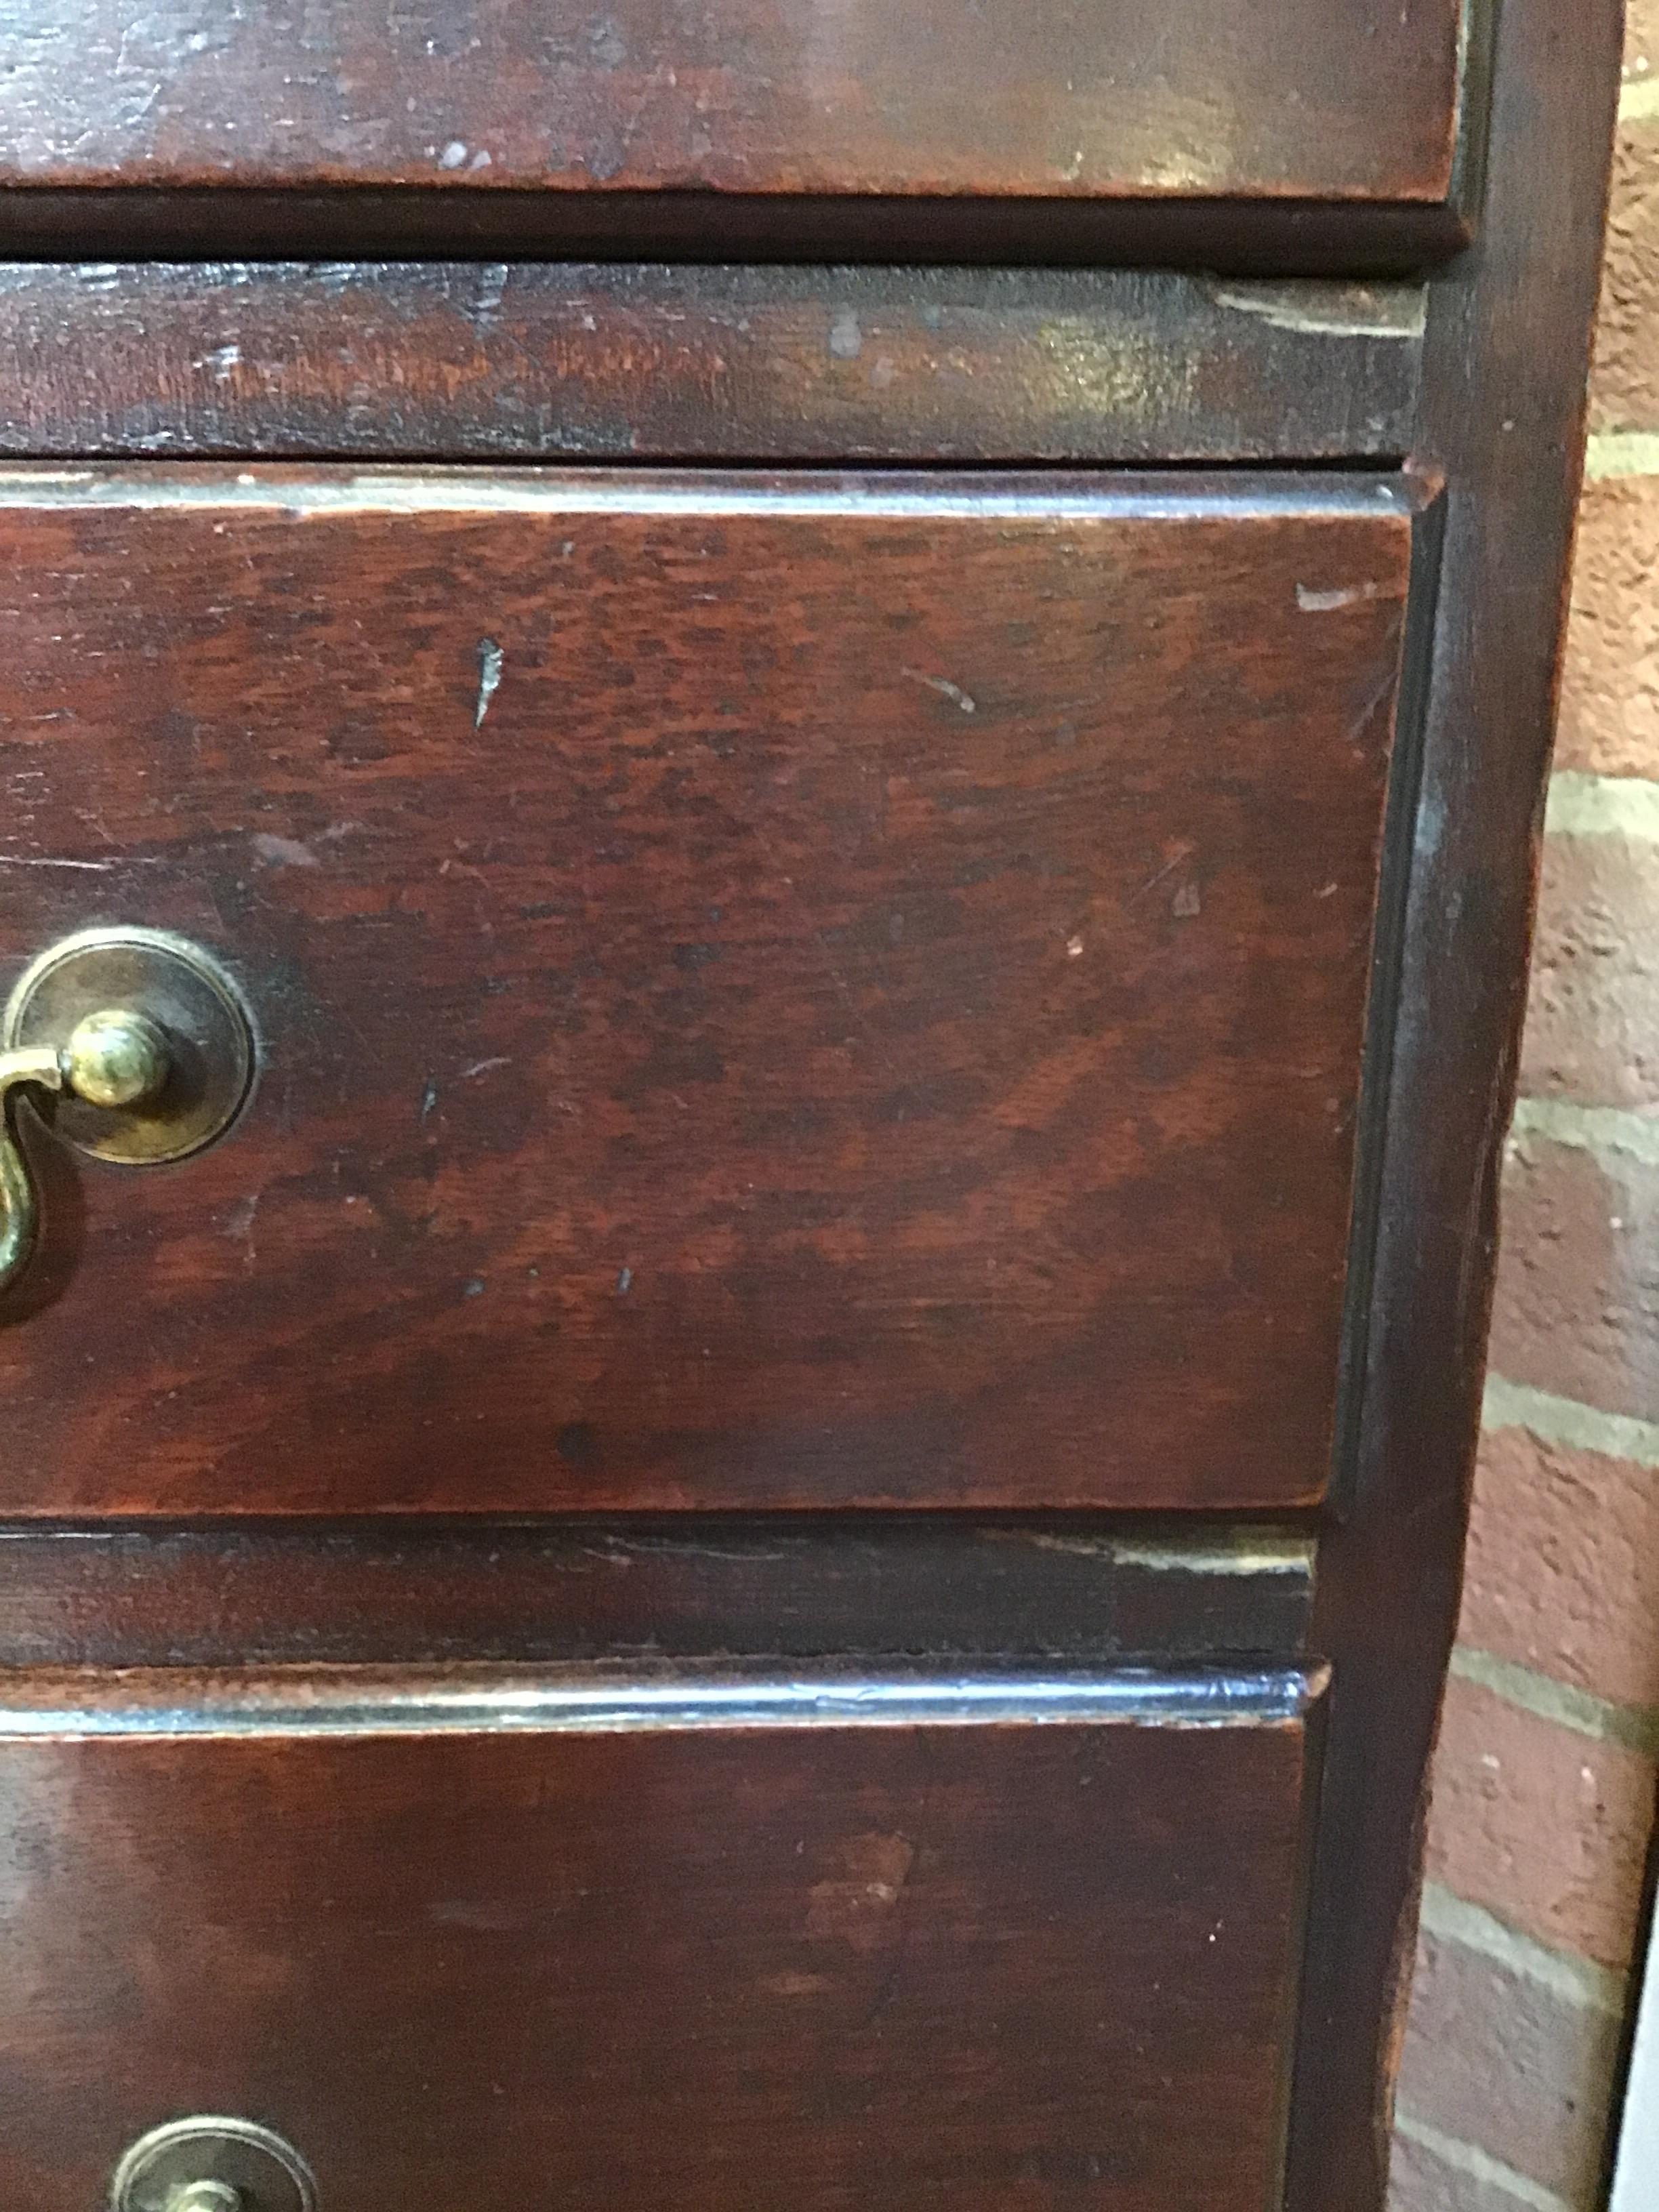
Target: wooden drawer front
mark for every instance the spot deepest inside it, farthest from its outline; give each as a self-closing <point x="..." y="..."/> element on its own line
<point x="645" y="1951"/>
<point x="1281" y="98"/>
<point x="776" y="992"/>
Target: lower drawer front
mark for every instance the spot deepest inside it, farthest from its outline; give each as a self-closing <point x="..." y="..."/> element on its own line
<point x="626" y="1945"/>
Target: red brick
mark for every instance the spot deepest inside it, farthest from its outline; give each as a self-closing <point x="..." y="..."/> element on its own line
<point x="1499" y="2058"/>
<point x="1593" y="1019"/>
<point x="1545" y="1828"/>
<point x="1625" y="379"/>
<point x="1577" y="1306"/>
<point x="1627" y="356"/>
<point x="1610" y="698"/>
<point x="1563" y="1572"/>
<point x="1419" y="2182"/>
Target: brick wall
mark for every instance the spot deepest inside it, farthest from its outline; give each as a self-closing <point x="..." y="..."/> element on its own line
<point x="1544" y="1783"/>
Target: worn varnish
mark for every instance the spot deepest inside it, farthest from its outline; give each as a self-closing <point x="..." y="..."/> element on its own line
<point x="1295" y="98"/>
<point x="775" y="993"/>
<point x="494" y="361"/>
<point x="648" y="1956"/>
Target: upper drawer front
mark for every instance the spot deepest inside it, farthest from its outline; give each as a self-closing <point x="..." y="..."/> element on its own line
<point x="774" y="992"/>
<point x="627" y="1950"/>
<point x="1331" y="100"/>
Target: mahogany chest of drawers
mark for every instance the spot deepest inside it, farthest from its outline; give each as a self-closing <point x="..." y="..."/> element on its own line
<point x="770" y="778"/>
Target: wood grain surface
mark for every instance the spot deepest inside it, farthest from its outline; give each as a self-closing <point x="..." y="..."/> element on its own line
<point x="776" y="992"/>
<point x="492" y="361"/>
<point x="633" y="1960"/>
<point x="1283" y="98"/>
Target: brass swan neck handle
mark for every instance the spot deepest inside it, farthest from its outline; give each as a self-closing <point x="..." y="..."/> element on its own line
<point x="116" y="1057"/>
<point x="39" y="1067"/>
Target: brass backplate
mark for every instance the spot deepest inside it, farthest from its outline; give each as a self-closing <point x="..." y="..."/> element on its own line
<point x="267" y="2175"/>
<point x="183" y="990"/>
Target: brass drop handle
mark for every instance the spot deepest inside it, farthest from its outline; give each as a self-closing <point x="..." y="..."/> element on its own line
<point x="116" y="1056"/>
<point x="135" y="1047"/>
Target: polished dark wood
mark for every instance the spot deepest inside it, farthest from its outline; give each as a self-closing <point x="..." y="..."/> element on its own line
<point x="497" y="362"/>
<point x="1503" y="414"/>
<point x="1289" y="99"/>
<point x="390" y="1592"/>
<point x="624" y="1942"/>
<point x="775" y="991"/>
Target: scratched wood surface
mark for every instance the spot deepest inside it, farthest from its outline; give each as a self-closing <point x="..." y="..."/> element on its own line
<point x="1284" y="98"/>
<point x="820" y="1965"/>
<point x="776" y="992"/>
<point x="491" y="361"/>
